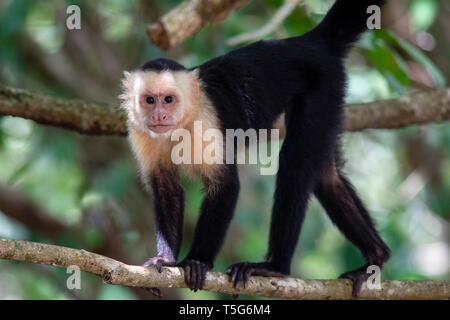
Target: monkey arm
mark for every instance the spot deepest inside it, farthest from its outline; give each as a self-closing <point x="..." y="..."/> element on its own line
<point x="169" y="212"/>
<point x="216" y="213"/>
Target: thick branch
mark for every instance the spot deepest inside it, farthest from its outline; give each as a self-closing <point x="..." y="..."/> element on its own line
<point x="419" y="108"/>
<point x="115" y="272"/>
<point x="17" y="206"/>
<point x="91" y="118"/>
<point x="189" y="18"/>
<point x="84" y="117"/>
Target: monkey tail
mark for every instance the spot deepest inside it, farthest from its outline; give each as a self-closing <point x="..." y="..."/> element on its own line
<point x="344" y="23"/>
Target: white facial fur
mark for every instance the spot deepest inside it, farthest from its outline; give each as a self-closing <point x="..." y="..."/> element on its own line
<point x="137" y="83"/>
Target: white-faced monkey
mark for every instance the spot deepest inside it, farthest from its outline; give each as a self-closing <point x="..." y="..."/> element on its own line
<point x="301" y="78"/>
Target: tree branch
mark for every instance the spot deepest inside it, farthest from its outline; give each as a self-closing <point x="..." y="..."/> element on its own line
<point x="189" y="18"/>
<point x="91" y="118"/>
<point x="115" y="272"/>
<point x="84" y="117"/>
<point x="282" y="13"/>
<point x="15" y="205"/>
<point x="419" y="108"/>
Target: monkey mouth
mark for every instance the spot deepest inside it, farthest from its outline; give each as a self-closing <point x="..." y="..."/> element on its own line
<point x="160" y="128"/>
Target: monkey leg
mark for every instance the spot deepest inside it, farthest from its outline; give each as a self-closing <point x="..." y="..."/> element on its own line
<point x="347" y="212"/>
<point x="217" y="212"/>
<point x="287" y="218"/>
<point x="302" y="155"/>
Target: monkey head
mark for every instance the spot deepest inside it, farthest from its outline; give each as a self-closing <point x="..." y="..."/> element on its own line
<point x="159" y="97"/>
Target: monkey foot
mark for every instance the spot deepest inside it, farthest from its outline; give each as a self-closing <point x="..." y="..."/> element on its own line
<point x="158" y="262"/>
<point x="240" y="273"/>
<point x="194" y="273"/>
<point x="358" y="276"/>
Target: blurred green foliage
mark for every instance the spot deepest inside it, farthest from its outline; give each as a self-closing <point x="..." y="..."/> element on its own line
<point x="90" y="185"/>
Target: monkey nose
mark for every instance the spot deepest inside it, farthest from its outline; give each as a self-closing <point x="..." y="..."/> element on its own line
<point x="159" y="117"/>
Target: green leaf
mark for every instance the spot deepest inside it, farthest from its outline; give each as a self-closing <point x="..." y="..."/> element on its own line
<point x="390" y="64"/>
<point x="416" y="54"/>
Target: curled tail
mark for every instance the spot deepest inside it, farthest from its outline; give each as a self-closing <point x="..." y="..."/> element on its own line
<point x="344" y="23"/>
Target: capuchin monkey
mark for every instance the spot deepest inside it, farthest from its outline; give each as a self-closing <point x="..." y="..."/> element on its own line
<point x="301" y="79"/>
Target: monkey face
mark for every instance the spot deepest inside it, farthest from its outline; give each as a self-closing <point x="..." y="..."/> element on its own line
<point x="158" y="102"/>
<point x="160" y="110"/>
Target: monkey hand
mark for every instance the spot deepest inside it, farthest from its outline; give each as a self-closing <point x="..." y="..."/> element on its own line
<point x="158" y="262"/>
<point x="358" y="276"/>
<point x="240" y="273"/>
<point x="194" y="273"/>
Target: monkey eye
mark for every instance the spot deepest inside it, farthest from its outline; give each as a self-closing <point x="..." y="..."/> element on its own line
<point x="168" y="99"/>
<point x="150" y="100"/>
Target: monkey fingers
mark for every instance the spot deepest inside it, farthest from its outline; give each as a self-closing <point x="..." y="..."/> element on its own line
<point x="158" y="262"/>
<point x="194" y="273"/>
<point x="154" y="291"/>
<point x="240" y="273"/>
<point x="358" y="276"/>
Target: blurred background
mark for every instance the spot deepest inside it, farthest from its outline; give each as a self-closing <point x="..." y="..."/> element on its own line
<point x="83" y="191"/>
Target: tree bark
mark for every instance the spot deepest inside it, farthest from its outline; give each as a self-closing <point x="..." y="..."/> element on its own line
<point x="101" y="119"/>
<point x="189" y="18"/>
<point x="81" y="116"/>
<point x="419" y="108"/>
<point x="115" y="272"/>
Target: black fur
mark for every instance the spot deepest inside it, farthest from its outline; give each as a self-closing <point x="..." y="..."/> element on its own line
<point x="161" y="64"/>
<point x="250" y="87"/>
<point x="169" y="213"/>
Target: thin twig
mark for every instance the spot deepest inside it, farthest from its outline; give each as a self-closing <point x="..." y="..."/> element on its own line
<point x="282" y="13"/>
